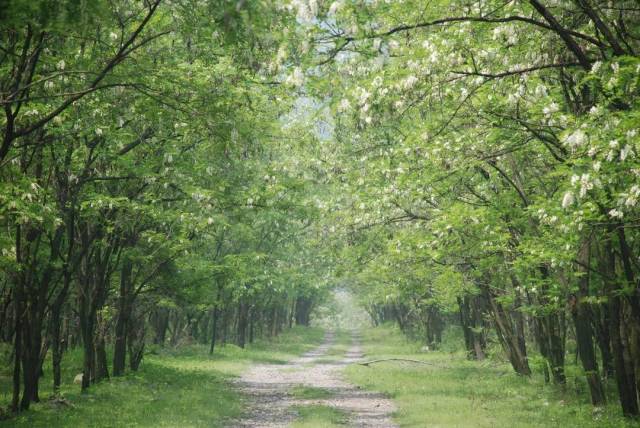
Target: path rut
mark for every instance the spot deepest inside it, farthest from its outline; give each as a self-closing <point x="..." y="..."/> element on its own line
<point x="271" y="404"/>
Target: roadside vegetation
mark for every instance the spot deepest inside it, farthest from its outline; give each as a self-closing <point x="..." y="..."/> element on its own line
<point x="448" y="390"/>
<point x="184" y="387"/>
<point x="316" y="416"/>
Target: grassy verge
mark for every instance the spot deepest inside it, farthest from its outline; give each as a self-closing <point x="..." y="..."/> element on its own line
<point x="174" y="388"/>
<point x="454" y="392"/>
<point x="318" y="416"/>
<point x="310" y="393"/>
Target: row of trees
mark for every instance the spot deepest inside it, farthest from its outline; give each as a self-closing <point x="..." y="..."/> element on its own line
<point x="146" y="188"/>
<point x="486" y="159"/>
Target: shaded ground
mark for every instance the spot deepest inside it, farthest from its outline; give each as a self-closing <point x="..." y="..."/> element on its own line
<point x="271" y="402"/>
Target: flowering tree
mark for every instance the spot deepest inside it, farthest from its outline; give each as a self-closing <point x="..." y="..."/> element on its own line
<point x="495" y="142"/>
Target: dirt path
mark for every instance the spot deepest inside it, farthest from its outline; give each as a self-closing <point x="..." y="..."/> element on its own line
<point x="271" y="403"/>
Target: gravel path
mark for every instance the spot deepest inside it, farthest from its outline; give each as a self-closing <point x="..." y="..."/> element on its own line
<point x="271" y="404"/>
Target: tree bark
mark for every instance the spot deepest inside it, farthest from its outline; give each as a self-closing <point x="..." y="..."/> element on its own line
<point x="122" y="321"/>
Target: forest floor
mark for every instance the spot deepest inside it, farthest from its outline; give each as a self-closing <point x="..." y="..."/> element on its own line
<point x="310" y="391"/>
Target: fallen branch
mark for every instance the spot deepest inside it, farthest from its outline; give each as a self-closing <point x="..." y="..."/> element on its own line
<point x="406" y="360"/>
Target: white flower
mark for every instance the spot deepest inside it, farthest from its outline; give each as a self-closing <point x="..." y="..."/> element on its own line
<point x="613" y="144"/>
<point x="632" y="198"/>
<point x="576" y="139"/>
<point x="567" y="199"/>
<point x="596" y="66"/>
<point x="296" y="78"/>
<point x="113" y="36"/>
<point x="61" y="64"/>
<point x="615" y="213"/>
<point x="209" y="220"/>
<point x="596" y="166"/>
<point x="585" y="184"/>
<point x="624" y="153"/>
<point x="344" y="105"/>
<point x="364" y="96"/>
<point x="393" y="44"/>
<point x="409" y="82"/>
<point x="305" y="11"/>
<point x="550" y="109"/>
<point x="98" y="132"/>
<point x="335" y="6"/>
<point x="541" y="90"/>
<point x="615" y="67"/>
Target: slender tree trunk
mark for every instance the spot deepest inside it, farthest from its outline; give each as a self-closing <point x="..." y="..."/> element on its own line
<point x="508" y="337"/>
<point x="242" y="322"/>
<point x="274" y="320"/>
<point x="292" y="312"/>
<point x="602" y="322"/>
<point x="252" y="316"/>
<point x="122" y="321"/>
<point x="159" y="318"/>
<point x="18" y="310"/>
<point x="102" y="369"/>
<point x="582" y="315"/>
<point x="214" y="330"/>
<point x="87" y="329"/>
<point x="56" y="345"/>
<point x="135" y="342"/>
<point x="625" y="376"/>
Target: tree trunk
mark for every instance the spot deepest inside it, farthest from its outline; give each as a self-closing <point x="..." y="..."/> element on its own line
<point x="135" y="342"/>
<point x="18" y="313"/>
<point x="124" y="313"/>
<point x="214" y="329"/>
<point x="624" y="374"/>
<point x="242" y="323"/>
<point x="252" y="316"/>
<point x="581" y="312"/>
<point x="602" y="322"/>
<point x="507" y="336"/>
<point x="101" y="368"/>
<point x="56" y="347"/>
<point x="303" y="310"/>
<point x="87" y="329"/>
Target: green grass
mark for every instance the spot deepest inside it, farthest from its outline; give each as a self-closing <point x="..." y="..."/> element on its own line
<point x="310" y="393"/>
<point x="318" y="416"/>
<point x="182" y="387"/>
<point x="454" y="392"/>
<point x="341" y="344"/>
